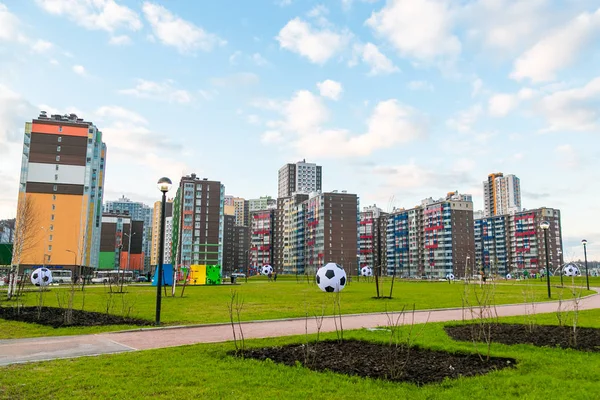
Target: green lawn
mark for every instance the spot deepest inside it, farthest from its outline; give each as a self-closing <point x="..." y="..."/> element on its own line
<point x="206" y="371"/>
<point x="285" y="298"/>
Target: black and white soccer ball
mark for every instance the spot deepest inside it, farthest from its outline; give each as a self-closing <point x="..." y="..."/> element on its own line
<point x="450" y="276"/>
<point x="571" y="270"/>
<point x="41" y="277"/>
<point x="508" y="276"/>
<point x="366" y="271"/>
<point x="266" y="270"/>
<point x="331" y="278"/>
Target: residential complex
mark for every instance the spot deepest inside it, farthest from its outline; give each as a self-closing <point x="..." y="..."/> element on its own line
<point x="241" y="209"/>
<point x="241" y="248"/>
<point x="261" y="237"/>
<point x="372" y="239"/>
<point x="121" y="243"/>
<point x="330" y="231"/>
<point x="514" y="243"/>
<point x="289" y="228"/>
<point x="301" y="177"/>
<point x="138" y="212"/>
<point x="60" y="194"/>
<point x="433" y="239"/>
<point x="156" y="220"/>
<point x="262" y="203"/>
<point x="198" y="213"/>
<point x="228" y="243"/>
<point x="501" y="194"/>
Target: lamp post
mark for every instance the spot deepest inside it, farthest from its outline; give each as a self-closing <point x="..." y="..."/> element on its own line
<point x="545" y="225"/>
<point x="164" y="185"/>
<point x="74" y="261"/>
<point x="587" y="275"/>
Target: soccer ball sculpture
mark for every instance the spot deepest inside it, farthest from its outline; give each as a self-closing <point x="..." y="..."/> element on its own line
<point x="41" y="277"/>
<point x="508" y="276"/>
<point x="571" y="270"/>
<point x="331" y="278"/>
<point x="450" y="277"/>
<point x="366" y="271"/>
<point x="266" y="270"/>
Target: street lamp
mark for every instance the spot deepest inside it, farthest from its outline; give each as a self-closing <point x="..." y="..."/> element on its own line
<point x="74" y="261"/>
<point x="587" y="275"/>
<point x="545" y="225"/>
<point x="164" y="185"/>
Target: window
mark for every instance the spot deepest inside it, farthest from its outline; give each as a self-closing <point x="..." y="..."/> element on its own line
<point x="52" y="217"/>
<point x="50" y="238"/>
<point x="56" y="177"/>
<point x="49" y="247"/>
<point x="60" y="128"/>
<point x="55" y="188"/>
<point x="57" y="167"/>
<point x="58" y="149"/>
<point x="53" y="197"/>
<point x="51" y="227"/>
<point x="57" y="158"/>
<point x="53" y="206"/>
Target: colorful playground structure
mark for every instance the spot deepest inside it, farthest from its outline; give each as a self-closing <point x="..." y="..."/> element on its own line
<point x="194" y="274"/>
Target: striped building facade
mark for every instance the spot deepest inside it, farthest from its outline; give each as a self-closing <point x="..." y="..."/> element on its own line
<point x="62" y="178"/>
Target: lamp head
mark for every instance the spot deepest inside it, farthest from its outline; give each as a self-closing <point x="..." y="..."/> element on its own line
<point x="584" y="242"/>
<point x="544" y="225"/>
<point x="164" y="184"/>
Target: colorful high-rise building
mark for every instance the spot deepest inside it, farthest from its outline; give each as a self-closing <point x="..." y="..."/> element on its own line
<point x="514" y="243"/>
<point x="501" y="194"/>
<point x="155" y="232"/>
<point x="121" y="243"/>
<point x="372" y="238"/>
<point x="261" y="237"/>
<point x="198" y="226"/>
<point x="138" y="212"/>
<point x="433" y="239"/>
<point x="286" y="231"/>
<point x="301" y="177"/>
<point x="331" y="231"/>
<point x="60" y="193"/>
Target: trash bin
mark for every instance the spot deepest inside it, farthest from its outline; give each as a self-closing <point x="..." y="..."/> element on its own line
<point x="233" y="278"/>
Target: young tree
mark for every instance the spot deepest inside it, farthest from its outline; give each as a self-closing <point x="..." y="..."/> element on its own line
<point x="26" y="237"/>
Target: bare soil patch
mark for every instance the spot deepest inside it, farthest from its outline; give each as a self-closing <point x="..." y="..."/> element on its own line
<point x="380" y="361"/>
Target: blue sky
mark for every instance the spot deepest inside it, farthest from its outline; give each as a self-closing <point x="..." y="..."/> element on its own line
<point x="398" y="100"/>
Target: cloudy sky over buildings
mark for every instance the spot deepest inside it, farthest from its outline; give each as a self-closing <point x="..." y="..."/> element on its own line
<point x="398" y="100"/>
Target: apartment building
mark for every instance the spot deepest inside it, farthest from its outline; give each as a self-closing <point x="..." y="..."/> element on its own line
<point x="261" y="237"/>
<point x="60" y="194"/>
<point x="501" y="194"/>
<point x="121" y="243"/>
<point x="372" y="238"/>
<point x="229" y="245"/>
<point x="287" y="229"/>
<point x="155" y="232"/>
<point x="301" y="177"/>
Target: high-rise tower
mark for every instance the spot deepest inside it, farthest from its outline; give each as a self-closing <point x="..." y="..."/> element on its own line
<point x="59" y="212"/>
<point x="301" y="177"/>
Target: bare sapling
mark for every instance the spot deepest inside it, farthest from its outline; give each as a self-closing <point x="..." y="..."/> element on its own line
<point x="235" y="307"/>
<point x="560" y="311"/>
<point x="319" y="320"/>
<point x="529" y="301"/>
<point x="478" y="300"/>
<point x="337" y="317"/>
<point x="576" y="293"/>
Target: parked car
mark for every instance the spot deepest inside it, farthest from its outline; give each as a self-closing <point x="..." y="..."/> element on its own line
<point x="141" y="278"/>
<point x="238" y="275"/>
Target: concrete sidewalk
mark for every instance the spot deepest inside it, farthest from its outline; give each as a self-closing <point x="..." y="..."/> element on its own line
<point x="47" y="348"/>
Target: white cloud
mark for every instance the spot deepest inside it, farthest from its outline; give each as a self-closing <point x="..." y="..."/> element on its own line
<point x="236" y="80"/>
<point x="41" y="46"/>
<point x="567" y="156"/>
<point x="505" y="25"/>
<point x="420" y="85"/>
<point x="259" y="60"/>
<point x="464" y="120"/>
<point x="303" y="124"/>
<point x="9" y="24"/>
<point x="122" y="114"/>
<point x="233" y="58"/>
<point x="318" y="45"/>
<point x="104" y="15"/>
<point x="501" y="104"/>
<point x="79" y="70"/>
<point x="557" y="50"/>
<point x="158" y="91"/>
<point x="330" y="89"/>
<point x="121" y="40"/>
<point x="174" y="31"/>
<point x="572" y="109"/>
<point x="419" y="29"/>
<point x="54" y="61"/>
<point x="476" y="87"/>
<point x="379" y="64"/>
<point x="270" y="137"/>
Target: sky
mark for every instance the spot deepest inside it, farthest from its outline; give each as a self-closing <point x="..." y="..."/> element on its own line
<point x="398" y="100"/>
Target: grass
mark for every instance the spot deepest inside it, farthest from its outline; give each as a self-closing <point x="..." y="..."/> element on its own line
<point x="285" y="298"/>
<point x="205" y="371"/>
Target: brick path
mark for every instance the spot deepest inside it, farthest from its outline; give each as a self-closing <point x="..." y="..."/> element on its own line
<point x="37" y="349"/>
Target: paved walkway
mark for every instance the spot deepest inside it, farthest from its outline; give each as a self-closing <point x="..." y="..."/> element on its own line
<point x="37" y="349"/>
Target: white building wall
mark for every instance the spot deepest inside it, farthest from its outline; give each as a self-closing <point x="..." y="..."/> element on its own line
<point x="65" y="174"/>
